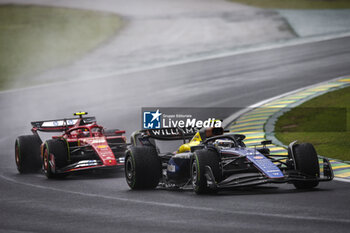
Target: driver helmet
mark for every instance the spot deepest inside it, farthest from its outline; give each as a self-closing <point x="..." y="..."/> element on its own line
<point x="223" y="143"/>
<point x="86" y="133"/>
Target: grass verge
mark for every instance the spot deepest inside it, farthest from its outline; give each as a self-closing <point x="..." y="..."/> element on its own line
<point x="297" y="4"/>
<point x="323" y="121"/>
<point x="34" y="39"/>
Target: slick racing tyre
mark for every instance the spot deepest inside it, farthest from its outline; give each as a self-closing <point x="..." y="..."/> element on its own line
<point x="203" y="158"/>
<point x="55" y="157"/>
<point x="143" y="167"/>
<point x="27" y="153"/>
<point x="306" y="162"/>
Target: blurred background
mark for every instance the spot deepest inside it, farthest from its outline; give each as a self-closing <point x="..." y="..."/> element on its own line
<point x="45" y="41"/>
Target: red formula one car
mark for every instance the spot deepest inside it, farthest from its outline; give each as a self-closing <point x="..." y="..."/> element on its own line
<point x="83" y="145"/>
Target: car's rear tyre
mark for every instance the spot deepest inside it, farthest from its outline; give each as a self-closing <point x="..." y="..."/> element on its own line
<point x="143" y="167"/>
<point x="27" y="153"/>
<point x="306" y="162"/>
<point x="203" y="158"/>
<point x="55" y="157"/>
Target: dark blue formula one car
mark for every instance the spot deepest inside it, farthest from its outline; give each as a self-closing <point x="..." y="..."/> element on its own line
<point x="209" y="160"/>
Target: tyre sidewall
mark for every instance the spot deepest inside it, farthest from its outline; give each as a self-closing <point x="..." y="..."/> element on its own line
<point x="201" y="159"/>
<point x="147" y="167"/>
<point x="27" y="153"/>
<point x="56" y="151"/>
<point x="130" y="170"/>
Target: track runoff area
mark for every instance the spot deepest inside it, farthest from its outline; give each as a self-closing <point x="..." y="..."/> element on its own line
<point x="258" y="122"/>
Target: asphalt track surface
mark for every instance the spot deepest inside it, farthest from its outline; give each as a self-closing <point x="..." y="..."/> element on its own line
<point x="102" y="203"/>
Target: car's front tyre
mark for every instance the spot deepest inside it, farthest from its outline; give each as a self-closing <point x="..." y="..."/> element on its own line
<point x="55" y="157"/>
<point x="306" y="162"/>
<point x="203" y="158"/>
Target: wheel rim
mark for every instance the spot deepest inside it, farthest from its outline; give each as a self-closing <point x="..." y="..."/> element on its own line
<point x="46" y="161"/>
<point x="194" y="174"/>
<point x="129" y="169"/>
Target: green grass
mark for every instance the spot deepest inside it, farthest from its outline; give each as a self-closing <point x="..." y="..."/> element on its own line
<point x="297" y="4"/>
<point x="34" y="39"/>
<point x="323" y="121"/>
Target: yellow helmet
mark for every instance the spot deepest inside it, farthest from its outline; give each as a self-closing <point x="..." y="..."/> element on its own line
<point x="184" y="148"/>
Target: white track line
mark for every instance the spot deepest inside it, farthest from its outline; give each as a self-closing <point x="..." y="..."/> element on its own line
<point x="180" y="206"/>
<point x="342" y="180"/>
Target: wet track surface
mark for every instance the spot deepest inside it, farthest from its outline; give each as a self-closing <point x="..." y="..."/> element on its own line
<point x="31" y="203"/>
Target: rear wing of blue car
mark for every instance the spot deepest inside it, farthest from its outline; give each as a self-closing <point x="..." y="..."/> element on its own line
<point x="169" y="133"/>
<point x="147" y="136"/>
